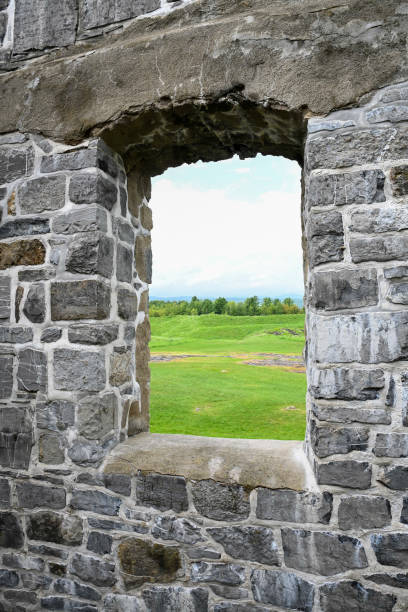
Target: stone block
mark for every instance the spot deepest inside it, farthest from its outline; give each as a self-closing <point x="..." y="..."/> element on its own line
<point x="122" y="603"/>
<point x="66" y="605"/>
<point x="21" y="253"/>
<point x="162" y="492"/>
<point x="121" y="367"/>
<point x="180" y="529"/>
<point x="6" y="376"/>
<point x="99" y="543"/>
<point x="364" y="337"/>
<point x="124" y="264"/>
<point x="116" y="526"/>
<point x="23" y="561"/>
<point x="35" y="275"/>
<point x="3" y="26"/>
<point x="323" y="223"/>
<point x="221" y="502"/>
<point x="398" y="293"/>
<point x="322" y="249"/>
<point x="346" y="414"/>
<point x="395" y="477"/>
<point x="49" y="551"/>
<point x="4" y="493"/>
<point x="51" y="334"/>
<point x="91" y="253"/>
<point x="141" y="561"/>
<point x="8" y="579"/>
<point x="349" y="474"/>
<point x="143" y="258"/>
<point x="36" y="496"/>
<point x="96" y="415"/>
<point x="341" y="289"/>
<point x="127" y="304"/>
<point x="124" y="231"/>
<point x="293" y="507"/>
<point x="351" y="595"/>
<point x="391" y="445"/>
<point x="15" y="163"/>
<point x="322" y="553"/>
<point x="75" y="300"/>
<point x="203" y="553"/>
<point x="254" y="543"/>
<point x="5" y="298"/>
<point x="89" y="219"/>
<point x="92" y="333"/>
<point x="95" y="501"/>
<point x="326" y="440"/>
<point x="57" y="528"/>
<point x="396" y="272"/>
<point x="86" y="453"/>
<point x="346" y="383"/>
<point x="21" y="597"/>
<point x="146" y="217"/>
<point x="11" y="531"/>
<point x="356" y="148"/>
<point x="399" y="181"/>
<point x="364" y="512"/>
<point x="362" y="187"/>
<point x="97" y="13"/>
<point x="404" y="511"/>
<point x="34" y="305"/>
<point x="119" y="483"/>
<point x="35" y="582"/>
<point x="51" y="449"/>
<point x="282" y="589"/>
<point x="169" y="599"/>
<point x="93" y="189"/>
<point x="42" y="194"/>
<point x="400" y="581"/>
<point x="24" y="227"/>
<point x="16" y="335"/>
<point x="139" y="189"/>
<point x="79" y="370"/>
<point x="388" y="112"/>
<point x="56" y="415"/>
<point x="16" y="438"/>
<point x="39" y="27"/>
<point x="32" y="370"/>
<point x="96" y="155"/>
<point x="391" y="549"/>
<point x="379" y="220"/>
<point x="224" y="573"/>
<point x="379" y="248"/>
<point x="123" y="199"/>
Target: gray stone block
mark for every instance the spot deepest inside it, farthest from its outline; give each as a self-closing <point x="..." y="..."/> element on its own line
<point x="3" y="26"/>
<point x="180" y="529"/>
<point x="24" y="562"/>
<point x="395" y="477"/>
<point x="124" y="231"/>
<point x="57" y="528"/>
<point x="83" y="333"/>
<point x="8" y="579"/>
<point x="24" y="227"/>
<point x="79" y="370"/>
<point x="127" y="304"/>
<point x="33" y="276"/>
<point x="36" y="496"/>
<point x="203" y="553"/>
<point x="323" y="223"/>
<point x="4" y="493"/>
<point x="116" y="526"/>
<point x="398" y="293"/>
<point x="282" y="589"/>
<point x="90" y="254"/>
<point x="96" y="415"/>
<point x="396" y="272"/>
<point x="20" y="597"/>
<point x="162" y="492"/>
<point x="142" y="561"/>
<point x="169" y="599"/>
<point x="95" y="501"/>
<point x="119" y="483"/>
<point x="49" y="551"/>
<point x="379" y="220"/>
<point x="41" y="194"/>
<point x="51" y="449"/>
<point x="35" y="582"/>
<point x="400" y="581"/>
<point x="220" y="501"/>
<point x="346" y="383"/>
<point x="391" y="445"/>
<point x="340" y="289"/>
<point x="16" y="335"/>
<point x="293" y="506"/>
<point x="345" y="414"/>
<point x="254" y="543"/>
<point x="96" y="155"/>
<point x="143" y="258"/>
<point x="124" y="264"/>
<point x="404" y="511"/>
<point x="322" y="553"/>
<point x="11" y="531"/>
<point x="229" y="606"/>
<point x="5" y="297"/>
<point x="389" y="112"/>
<point x="56" y="415"/>
<point x="399" y="181"/>
<point x="224" y="573"/>
<point x="66" y="605"/>
<point x="86" y="453"/>
<point x="322" y="249"/>
<point x="99" y="543"/>
<point x="391" y="549"/>
<point x="15" y="163"/>
<point x="75" y="300"/>
<point x="351" y="595"/>
<point x="51" y="334"/>
<point x="363" y="187"/>
<point x="379" y="248"/>
<point x="6" y="376"/>
<point x="32" y="370"/>
<point x="16" y="438"/>
<point x="34" y="305"/>
<point x="38" y="26"/>
<point x="326" y="440"/>
<point x="71" y="587"/>
<point x="89" y="219"/>
<point x="349" y="474"/>
<point x="364" y="512"/>
<point x="98" y="13"/>
<point x="121" y="367"/>
<point x="122" y="603"/>
<point x="93" y="189"/>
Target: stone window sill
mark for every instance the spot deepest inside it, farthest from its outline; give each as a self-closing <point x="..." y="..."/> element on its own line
<point x="275" y="464"/>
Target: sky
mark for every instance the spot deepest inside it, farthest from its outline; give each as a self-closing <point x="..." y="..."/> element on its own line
<point x="229" y="228"/>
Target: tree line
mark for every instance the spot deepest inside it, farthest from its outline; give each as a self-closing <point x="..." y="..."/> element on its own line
<point x="252" y="306"/>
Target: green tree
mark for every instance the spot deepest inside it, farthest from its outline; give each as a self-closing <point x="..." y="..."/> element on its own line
<point x="219" y="305"/>
<point x="252" y="305"/>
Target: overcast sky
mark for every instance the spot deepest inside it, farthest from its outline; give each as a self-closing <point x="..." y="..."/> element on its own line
<point x="230" y="228"/>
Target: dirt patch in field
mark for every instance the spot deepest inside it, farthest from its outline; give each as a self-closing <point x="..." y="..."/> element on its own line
<point x="293" y="362"/>
<point x="173" y="357"/>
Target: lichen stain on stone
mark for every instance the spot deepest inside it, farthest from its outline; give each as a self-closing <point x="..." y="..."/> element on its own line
<point x="11" y="204"/>
<point x="141" y="561"/>
<point x="22" y="252"/>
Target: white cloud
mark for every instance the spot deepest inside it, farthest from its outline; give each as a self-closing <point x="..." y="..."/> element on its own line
<point x="206" y="243"/>
<point x="243" y="170"/>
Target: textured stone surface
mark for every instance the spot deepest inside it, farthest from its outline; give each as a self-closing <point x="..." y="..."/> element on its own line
<point x="394" y="580"/>
<point x="16" y="437"/>
<point x="88" y="299"/>
<point x="91" y="253"/>
<point x="41" y="194"/>
<point x="224" y="573"/>
<point x="76" y="589"/>
<point x="5" y="296"/>
<point x="162" y="492"/>
<point x="121" y="366"/>
<point x="162" y="599"/>
<point x="364" y="512"/>
<point x="32" y="370"/>
<point x="56" y="528"/>
<point x="395" y="477"/>
<point x="142" y="561"/>
<point x="89" y="219"/>
<point x="4" y="493"/>
<point x="220" y="501"/>
<point x="39" y="27"/>
<point x="143" y="258"/>
<point x="96" y="415"/>
<point x="127" y="304"/>
<point x="86" y="453"/>
<point x="323" y="249"/>
<point x="344" y="289"/>
<point x="293" y="507"/>
<point x="399" y="180"/>
<point x="11" y="531"/>
<point x="179" y="529"/>
<point x="95" y="14"/>
<point x="347" y="384"/>
<point x="281" y="589"/>
<point x="79" y="370"/>
<point x="83" y="333"/>
<point x="51" y="448"/>
<point x="35" y="496"/>
<point x="16" y="335"/>
<point x="391" y="445"/>
<point x="379" y="248"/>
<point x="34" y="305"/>
<point x="90" y="569"/>
<point x="363" y="187"/>
<point x="327" y="440"/>
<point x="24" y="227"/>
<point x="36" y="274"/>
<point x="391" y="549"/>
<point x="95" y="155"/>
<point x="100" y="543"/>
<point x="351" y="595"/>
<point x="322" y="553"/>
<point x="6" y="376"/>
<point x="352" y="474"/>
<point x="56" y="415"/>
<point x="379" y="220"/>
<point x="21" y="253"/>
<point x="51" y="334"/>
<point x="345" y="414"/>
<point x="124" y="264"/>
<point x="93" y="189"/>
<point x="95" y="501"/>
<point x="255" y="543"/>
<point x="15" y="163"/>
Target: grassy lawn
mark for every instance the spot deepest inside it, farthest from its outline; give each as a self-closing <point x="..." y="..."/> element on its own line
<point x="219" y="394"/>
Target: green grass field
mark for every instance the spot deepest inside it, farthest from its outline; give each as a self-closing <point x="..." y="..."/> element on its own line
<point x="217" y="393"/>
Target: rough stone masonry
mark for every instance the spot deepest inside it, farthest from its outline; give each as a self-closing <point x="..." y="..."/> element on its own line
<point x="96" y="514"/>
